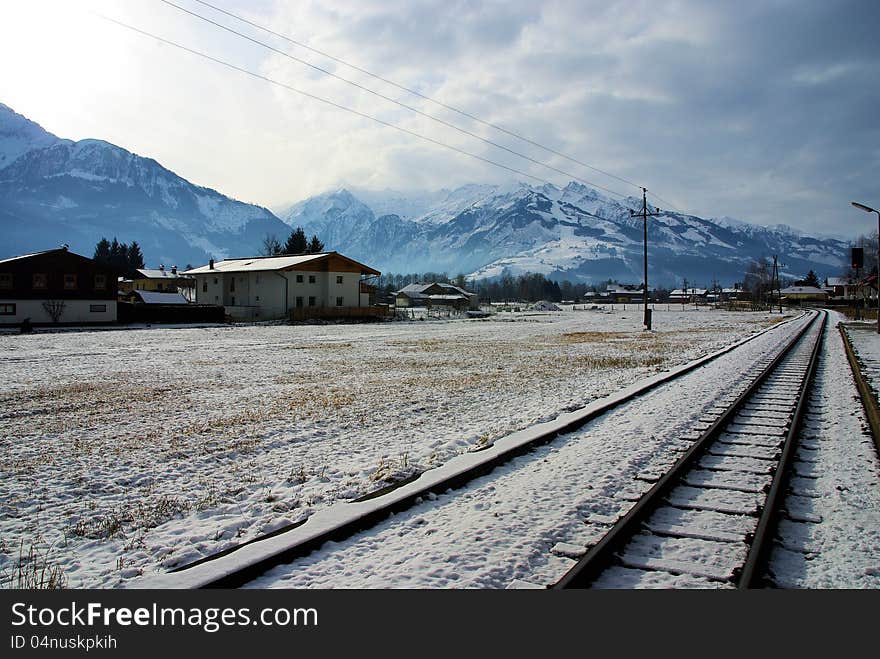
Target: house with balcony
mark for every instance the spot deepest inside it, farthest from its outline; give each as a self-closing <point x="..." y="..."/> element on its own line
<point x="280" y="287"/>
<point x="57" y="286"/>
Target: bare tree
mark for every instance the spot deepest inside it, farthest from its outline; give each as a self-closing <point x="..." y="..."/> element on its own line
<point x="270" y="245"/>
<point x="55" y="308"/>
<point x="758" y="281"/>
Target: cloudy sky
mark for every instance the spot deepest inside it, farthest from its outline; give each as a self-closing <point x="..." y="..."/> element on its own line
<point x="767" y="111"/>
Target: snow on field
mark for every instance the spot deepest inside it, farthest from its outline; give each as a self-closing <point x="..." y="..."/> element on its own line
<point x="832" y="538"/>
<point x="136" y="450"/>
<point x="866" y="343"/>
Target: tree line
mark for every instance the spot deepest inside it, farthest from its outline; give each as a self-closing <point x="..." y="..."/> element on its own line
<point x="120" y="255"/>
<point x="527" y="287"/>
<point x="296" y="243"/>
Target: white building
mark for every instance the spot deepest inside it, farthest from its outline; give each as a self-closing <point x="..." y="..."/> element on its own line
<point x="269" y="287"/>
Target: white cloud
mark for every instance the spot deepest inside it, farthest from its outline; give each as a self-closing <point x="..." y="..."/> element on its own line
<point x="712" y="105"/>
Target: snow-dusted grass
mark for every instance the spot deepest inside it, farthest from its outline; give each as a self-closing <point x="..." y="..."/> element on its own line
<point x="129" y="451"/>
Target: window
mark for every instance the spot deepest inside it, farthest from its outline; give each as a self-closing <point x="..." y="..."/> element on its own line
<point x="40" y="280"/>
<point x="299" y="302"/>
<point x="311" y="300"/>
<point x="232" y="285"/>
<point x="5" y="280"/>
<point x="7" y="309"/>
<point x="69" y="282"/>
<point x="311" y="279"/>
<point x="159" y="286"/>
<point x="299" y="279"/>
<point x="339" y="279"/>
<point x="100" y="282"/>
<point x="258" y="298"/>
<point x="97" y="308"/>
<point x="215" y="281"/>
<point x="339" y="302"/>
<point x="233" y="300"/>
<point x="205" y="286"/>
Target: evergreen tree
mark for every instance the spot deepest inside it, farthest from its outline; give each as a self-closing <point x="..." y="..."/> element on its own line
<point x="122" y="259"/>
<point x="811" y="279"/>
<point x="135" y="256"/>
<point x="296" y="242"/>
<point x="315" y="246"/>
<point x="113" y="257"/>
<point x="102" y="250"/>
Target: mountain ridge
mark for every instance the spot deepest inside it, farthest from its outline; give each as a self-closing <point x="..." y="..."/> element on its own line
<point x="54" y="190"/>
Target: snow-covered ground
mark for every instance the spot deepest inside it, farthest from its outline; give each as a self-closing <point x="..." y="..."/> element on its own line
<point x="129" y="451"/>
<point x="834" y="540"/>
<point x="866" y="343"/>
<point x="528" y="519"/>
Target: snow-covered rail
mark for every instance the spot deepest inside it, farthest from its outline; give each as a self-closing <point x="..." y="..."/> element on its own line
<point x="863" y="384"/>
<point x="342" y="521"/>
<point x="711" y="517"/>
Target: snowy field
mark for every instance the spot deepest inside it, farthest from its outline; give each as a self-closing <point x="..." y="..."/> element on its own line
<point x="132" y="451"/>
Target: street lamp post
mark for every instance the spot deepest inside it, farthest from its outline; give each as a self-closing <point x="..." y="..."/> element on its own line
<point x="868" y="209"/>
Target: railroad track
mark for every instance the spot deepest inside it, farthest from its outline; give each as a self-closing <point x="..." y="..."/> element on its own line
<point x="866" y="394"/>
<point x="712" y="517"/>
<point x="247" y="562"/>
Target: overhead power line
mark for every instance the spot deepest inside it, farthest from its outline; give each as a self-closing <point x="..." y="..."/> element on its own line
<point x="417" y="93"/>
<point x="390" y="99"/>
<point x="321" y="99"/>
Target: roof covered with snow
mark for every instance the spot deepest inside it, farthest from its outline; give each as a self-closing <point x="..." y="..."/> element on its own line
<point x="160" y="274"/>
<point x="802" y="290"/>
<point x="151" y="297"/>
<point x="268" y="263"/>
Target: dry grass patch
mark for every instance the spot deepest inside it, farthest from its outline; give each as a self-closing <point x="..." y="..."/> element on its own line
<point x="33" y="570"/>
<point x="594" y="337"/>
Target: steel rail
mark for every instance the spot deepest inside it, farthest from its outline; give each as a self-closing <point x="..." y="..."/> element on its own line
<point x="869" y="400"/>
<point x="238" y="575"/>
<point x="759" y="549"/>
<point x="602" y="554"/>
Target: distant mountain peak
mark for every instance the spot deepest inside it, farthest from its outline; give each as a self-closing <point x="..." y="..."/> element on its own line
<point x="81" y="191"/>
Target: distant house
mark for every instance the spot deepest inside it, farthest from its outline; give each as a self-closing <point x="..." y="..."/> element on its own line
<point x="151" y="297"/>
<point x="436" y="294"/>
<point x="161" y="281"/>
<point x="803" y="293"/>
<point x="271" y="287"/>
<point x="57" y="286"/>
<point x="688" y="295"/>
<point x="840" y="287"/>
<point x="625" y="292"/>
<point x="728" y="294"/>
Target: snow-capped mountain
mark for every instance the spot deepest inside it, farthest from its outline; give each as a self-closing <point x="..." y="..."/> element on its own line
<point x="571" y="233"/>
<point x="56" y="191"/>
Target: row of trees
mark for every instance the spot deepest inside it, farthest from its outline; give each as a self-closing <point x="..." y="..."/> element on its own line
<point x="296" y="243"/>
<point x="526" y="287"/>
<point x="120" y="255"/>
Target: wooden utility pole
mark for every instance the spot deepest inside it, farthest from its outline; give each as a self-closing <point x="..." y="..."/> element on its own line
<point x="645" y="215"/>
<point x="778" y="285"/>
